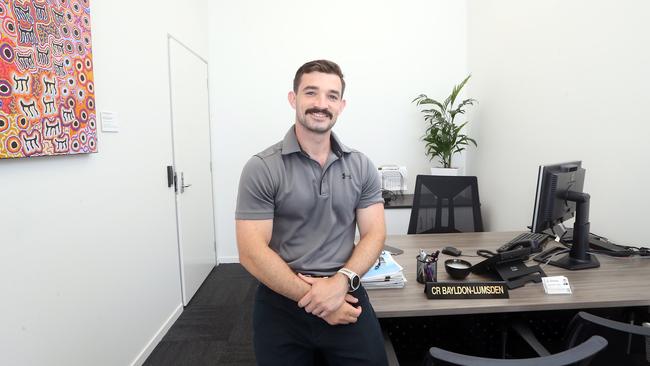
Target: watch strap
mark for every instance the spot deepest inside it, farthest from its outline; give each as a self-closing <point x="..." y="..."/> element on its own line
<point x="351" y="275"/>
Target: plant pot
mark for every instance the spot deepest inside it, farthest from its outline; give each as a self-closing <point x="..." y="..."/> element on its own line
<point x="445" y="171"/>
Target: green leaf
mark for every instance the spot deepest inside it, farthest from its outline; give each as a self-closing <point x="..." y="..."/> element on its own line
<point x="459" y="109"/>
<point x="418" y="97"/>
<point x="426" y="100"/>
<point x="466" y="102"/>
<point x="457" y="89"/>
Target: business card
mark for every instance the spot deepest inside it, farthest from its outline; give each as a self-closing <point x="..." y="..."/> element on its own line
<point x="556" y="285"/>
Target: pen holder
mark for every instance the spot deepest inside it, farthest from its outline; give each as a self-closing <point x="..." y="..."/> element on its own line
<point x="426" y="271"/>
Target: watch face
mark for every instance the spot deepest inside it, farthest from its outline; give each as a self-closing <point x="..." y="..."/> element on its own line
<point x="355" y="281"/>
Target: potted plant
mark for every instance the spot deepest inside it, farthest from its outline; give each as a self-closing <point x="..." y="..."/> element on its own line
<point x="443" y="137"/>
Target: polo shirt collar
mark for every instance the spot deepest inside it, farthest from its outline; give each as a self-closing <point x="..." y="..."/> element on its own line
<point x="337" y="146"/>
<point x="290" y="144"/>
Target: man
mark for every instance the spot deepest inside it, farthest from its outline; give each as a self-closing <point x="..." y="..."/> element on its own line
<point x="297" y="207"/>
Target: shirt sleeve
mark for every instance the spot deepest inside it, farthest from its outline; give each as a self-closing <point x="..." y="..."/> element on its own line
<point x="256" y="195"/>
<point x="371" y="189"/>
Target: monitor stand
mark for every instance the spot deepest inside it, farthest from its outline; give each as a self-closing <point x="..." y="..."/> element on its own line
<point x="578" y="257"/>
<point x="517" y="274"/>
<point x="597" y="242"/>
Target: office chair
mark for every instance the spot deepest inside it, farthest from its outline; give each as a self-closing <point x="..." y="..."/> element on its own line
<point x="622" y="349"/>
<point x="580" y="355"/>
<point x="438" y="199"/>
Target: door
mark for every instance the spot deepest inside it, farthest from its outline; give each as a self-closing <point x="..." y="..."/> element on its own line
<point x="192" y="166"/>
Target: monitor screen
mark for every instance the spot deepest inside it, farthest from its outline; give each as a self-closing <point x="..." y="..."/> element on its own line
<point x="551" y="206"/>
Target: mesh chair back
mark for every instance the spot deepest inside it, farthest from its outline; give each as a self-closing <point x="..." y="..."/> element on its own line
<point x="445" y="204"/>
<point x="626" y="341"/>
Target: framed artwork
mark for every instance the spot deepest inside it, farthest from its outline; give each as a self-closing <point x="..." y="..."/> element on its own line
<point x="47" y="96"/>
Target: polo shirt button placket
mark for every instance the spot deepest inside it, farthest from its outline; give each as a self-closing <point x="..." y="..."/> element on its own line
<point x="324" y="182"/>
<point x="324" y="191"/>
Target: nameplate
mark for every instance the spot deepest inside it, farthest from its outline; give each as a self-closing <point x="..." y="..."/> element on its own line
<point x="466" y="290"/>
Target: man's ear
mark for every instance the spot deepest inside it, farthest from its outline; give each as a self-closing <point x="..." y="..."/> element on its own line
<point x="343" y="103"/>
<point x="292" y="99"/>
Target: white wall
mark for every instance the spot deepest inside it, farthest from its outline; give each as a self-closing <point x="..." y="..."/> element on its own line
<point x="389" y="52"/>
<point x="561" y="81"/>
<point x="88" y="255"/>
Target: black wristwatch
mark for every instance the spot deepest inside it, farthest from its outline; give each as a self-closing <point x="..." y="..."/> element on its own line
<point x="353" y="279"/>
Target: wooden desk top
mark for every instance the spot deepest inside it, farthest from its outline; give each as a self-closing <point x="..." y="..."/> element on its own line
<point x="618" y="282"/>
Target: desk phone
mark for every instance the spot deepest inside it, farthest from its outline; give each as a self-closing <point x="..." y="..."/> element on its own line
<point x="534" y="241"/>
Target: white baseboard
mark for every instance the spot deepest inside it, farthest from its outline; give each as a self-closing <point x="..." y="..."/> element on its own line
<point x="139" y="360"/>
<point x="234" y="259"/>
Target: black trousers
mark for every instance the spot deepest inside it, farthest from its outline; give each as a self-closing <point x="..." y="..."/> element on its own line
<point x="284" y="334"/>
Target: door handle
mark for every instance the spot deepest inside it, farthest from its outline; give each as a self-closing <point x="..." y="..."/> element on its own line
<point x="183" y="185"/>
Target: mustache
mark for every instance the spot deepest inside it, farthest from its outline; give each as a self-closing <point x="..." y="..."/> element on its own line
<point x="318" y="110"/>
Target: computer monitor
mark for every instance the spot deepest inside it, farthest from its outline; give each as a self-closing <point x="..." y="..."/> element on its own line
<point x="560" y="197"/>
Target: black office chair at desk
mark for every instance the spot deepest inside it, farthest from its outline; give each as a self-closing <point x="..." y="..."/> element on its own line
<point x="628" y="343"/>
<point x="445" y="204"/>
<point x="580" y="355"/>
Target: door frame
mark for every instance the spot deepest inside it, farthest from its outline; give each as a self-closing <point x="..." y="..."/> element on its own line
<point x="171" y="38"/>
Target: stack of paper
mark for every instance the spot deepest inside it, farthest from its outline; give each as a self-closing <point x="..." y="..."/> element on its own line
<point x="385" y="273"/>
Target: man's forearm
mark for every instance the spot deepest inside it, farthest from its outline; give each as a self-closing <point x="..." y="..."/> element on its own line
<point x="366" y="252"/>
<point x="267" y="266"/>
<point x="263" y="263"/>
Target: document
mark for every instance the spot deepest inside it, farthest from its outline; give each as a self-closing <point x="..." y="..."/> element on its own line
<point x="385" y="273"/>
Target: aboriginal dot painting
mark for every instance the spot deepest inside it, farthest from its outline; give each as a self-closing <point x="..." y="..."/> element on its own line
<point x="47" y="96"/>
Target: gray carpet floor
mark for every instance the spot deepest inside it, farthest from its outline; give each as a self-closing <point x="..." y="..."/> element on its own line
<point x="216" y="326"/>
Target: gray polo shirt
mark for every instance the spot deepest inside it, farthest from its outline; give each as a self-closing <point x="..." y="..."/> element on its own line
<point x="313" y="208"/>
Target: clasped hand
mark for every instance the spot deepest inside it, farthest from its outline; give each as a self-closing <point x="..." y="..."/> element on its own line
<point x="329" y="300"/>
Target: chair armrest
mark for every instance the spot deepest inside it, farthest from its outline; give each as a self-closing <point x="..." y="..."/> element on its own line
<point x="615" y="325"/>
<point x="578" y="353"/>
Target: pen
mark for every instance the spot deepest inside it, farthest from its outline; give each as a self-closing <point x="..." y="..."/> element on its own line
<point x="429" y="273"/>
<point x="380" y="260"/>
<point x="423" y="254"/>
<point x="435" y="255"/>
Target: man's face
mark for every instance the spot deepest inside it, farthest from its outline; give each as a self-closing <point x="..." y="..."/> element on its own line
<point x="318" y="101"/>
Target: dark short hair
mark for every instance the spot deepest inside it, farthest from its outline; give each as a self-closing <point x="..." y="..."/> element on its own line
<point x="324" y="66"/>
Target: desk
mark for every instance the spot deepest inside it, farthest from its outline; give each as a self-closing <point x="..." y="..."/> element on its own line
<point x="618" y="282"/>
